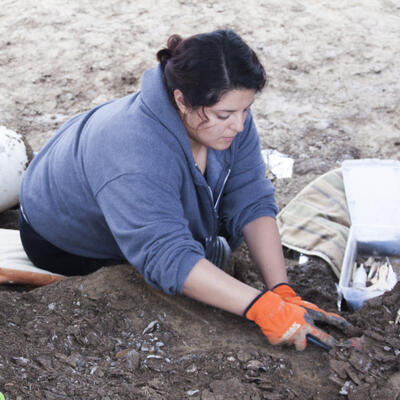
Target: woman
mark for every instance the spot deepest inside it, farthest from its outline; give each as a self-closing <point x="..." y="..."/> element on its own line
<point x="166" y="178"/>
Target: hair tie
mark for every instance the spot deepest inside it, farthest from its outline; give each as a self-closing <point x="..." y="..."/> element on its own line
<point x="163" y="56"/>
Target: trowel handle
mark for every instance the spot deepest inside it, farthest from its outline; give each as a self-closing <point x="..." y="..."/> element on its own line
<point x="313" y="339"/>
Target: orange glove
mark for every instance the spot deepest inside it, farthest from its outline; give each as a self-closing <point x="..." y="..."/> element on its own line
<point x="285" y="323"/>
<point x="290" y="296"/>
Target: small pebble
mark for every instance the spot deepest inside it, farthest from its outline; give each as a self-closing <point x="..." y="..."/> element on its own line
<point x="22" y="361"/>
<point x="255" y="365"/>
<point x="93" y="370"/>
<point x="150" y="327"/>
<point x="345" y="388"/>
<point x="191" y="369"/>
<point x="154" y="356"/>
<point x="144" y="347"/>
<point x="133" y="359"/>
<point x="243" y="356"/>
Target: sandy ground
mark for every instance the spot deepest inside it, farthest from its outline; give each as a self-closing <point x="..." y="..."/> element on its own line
<point x="334" y="68"/>
<point x="333" y="95"/>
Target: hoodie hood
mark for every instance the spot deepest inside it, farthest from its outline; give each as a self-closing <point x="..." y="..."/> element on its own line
<point x="156" y="99"/>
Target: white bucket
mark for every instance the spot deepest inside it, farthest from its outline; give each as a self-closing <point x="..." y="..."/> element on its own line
<point x="13" y="163"/>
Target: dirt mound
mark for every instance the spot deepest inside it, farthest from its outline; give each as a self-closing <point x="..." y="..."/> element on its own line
<point x="369" y="369"/>
<point x="109" y="335"/>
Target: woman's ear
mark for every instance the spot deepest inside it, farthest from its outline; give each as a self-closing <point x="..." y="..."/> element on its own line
<point x="180" y="101"/>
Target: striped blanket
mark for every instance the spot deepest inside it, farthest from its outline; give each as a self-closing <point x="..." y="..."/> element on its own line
<point x="316" y="222"/>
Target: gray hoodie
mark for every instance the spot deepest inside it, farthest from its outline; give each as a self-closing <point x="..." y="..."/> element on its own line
<point x="120" y="181"/>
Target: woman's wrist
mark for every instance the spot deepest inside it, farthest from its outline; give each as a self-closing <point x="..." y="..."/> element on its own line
<point x="209" y="284"/>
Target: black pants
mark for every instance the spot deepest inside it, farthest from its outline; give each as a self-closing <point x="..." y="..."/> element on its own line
<point x="49" y="257"/>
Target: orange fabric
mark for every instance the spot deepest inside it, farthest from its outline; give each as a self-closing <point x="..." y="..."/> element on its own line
<point x="27" y="277"/>
<point x="290" y="296"/>
<point x="283" y="322"/>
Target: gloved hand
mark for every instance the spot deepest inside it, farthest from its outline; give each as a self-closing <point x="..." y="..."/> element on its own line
<point x="285" y="323"/>
<point x="290" y="296"/>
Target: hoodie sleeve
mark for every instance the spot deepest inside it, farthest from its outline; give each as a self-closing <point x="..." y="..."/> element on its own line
<point x="248" y="193"/>
<point x="146" y="218"/>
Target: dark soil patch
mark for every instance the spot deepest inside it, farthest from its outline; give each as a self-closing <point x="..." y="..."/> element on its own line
<point x="110" y="336"/>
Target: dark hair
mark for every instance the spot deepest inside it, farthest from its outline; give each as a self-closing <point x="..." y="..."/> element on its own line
<point x="206" y="66"/>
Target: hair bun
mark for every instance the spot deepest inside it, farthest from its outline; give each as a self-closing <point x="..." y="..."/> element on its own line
<point x="173" y="42"/>
<point x="166" y="53"/>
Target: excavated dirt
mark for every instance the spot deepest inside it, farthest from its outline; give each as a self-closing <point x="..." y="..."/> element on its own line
<point x="110" y="336"/>
<point x="333" y="95"/>
<point x="370" y="367"/>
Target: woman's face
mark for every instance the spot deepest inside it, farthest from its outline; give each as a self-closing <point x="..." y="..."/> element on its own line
<point x="225" y="120"/>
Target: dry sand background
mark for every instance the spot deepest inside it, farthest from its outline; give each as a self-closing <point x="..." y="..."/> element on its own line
<point x="334" y="94"/>
<point x="333" y="68"/>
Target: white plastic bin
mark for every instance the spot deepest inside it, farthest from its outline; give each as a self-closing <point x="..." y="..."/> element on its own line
<point x="373" y="196"/>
